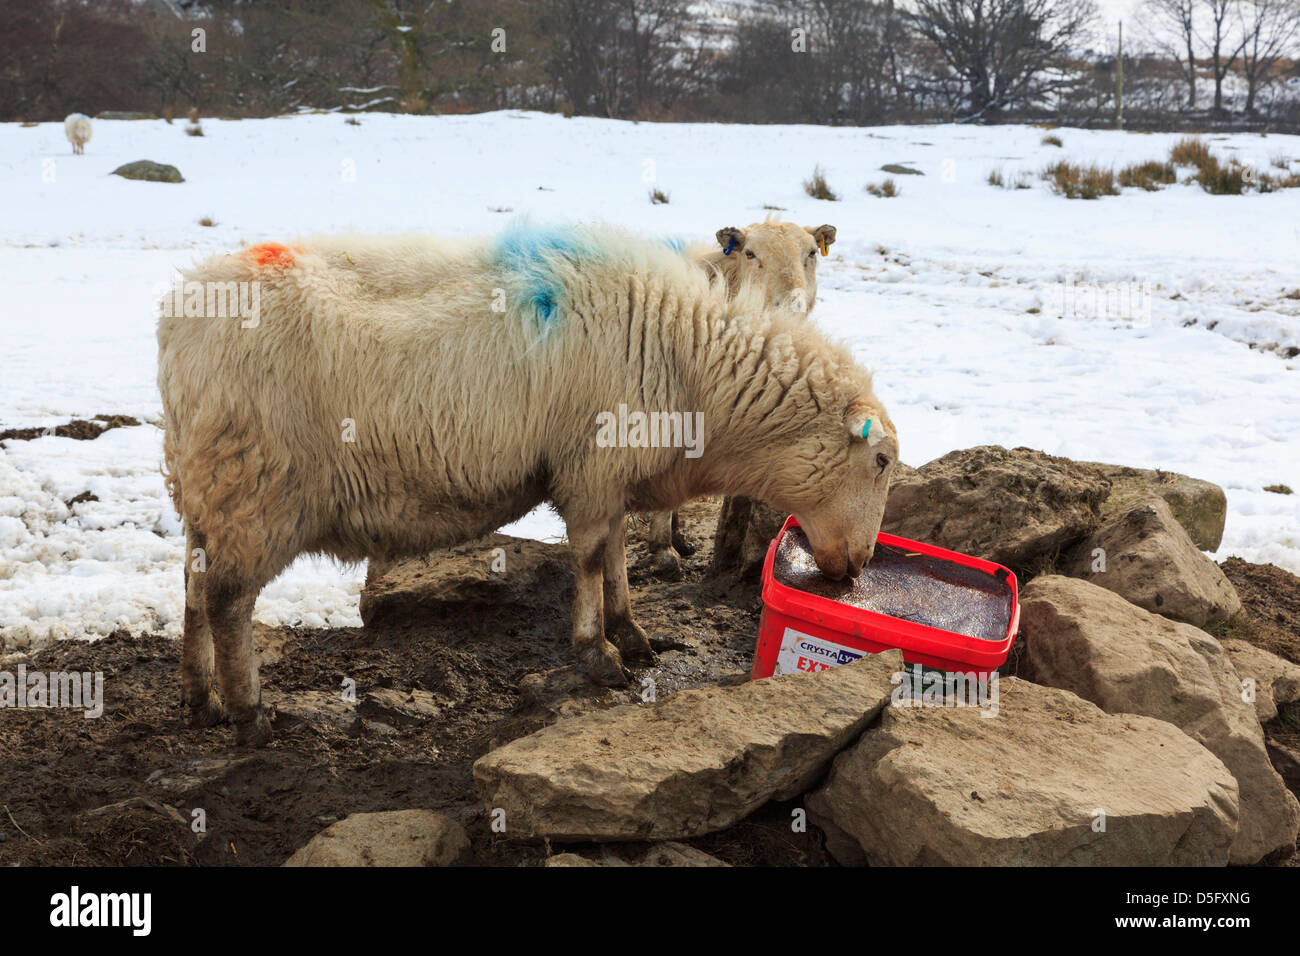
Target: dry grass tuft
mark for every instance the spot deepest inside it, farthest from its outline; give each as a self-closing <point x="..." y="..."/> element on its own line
<point x="1081" y="182"/>
<point x="817" y="187"/>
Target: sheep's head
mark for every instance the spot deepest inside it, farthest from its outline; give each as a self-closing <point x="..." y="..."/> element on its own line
<point x="848" y="463"/>
<point x="780" y="258"/>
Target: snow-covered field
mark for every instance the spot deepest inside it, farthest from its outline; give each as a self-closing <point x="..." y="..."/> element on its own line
<point x="936" y="290"/>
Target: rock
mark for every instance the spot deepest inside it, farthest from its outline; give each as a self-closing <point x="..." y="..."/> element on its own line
<point x="1013" y="507"/>
<point x="493" y="571"/>
<point x="398" y="708"/>
<point x="1199" y="506"/>
<point x="1286" y="761"/>
<point x="564" y="692"/>
<point x="1277" y="680"/>
<point x="688" y="764"/>
<point x="1144" y="555"/>
<point x="746" y="526"/>
<point x="319" y="708"/>
<point x="952" y="786"/>
<point x="150" y="172"/>
<point x="390" y="838"/>
<point x="1089" y="640"/>
<point x="661" y="854"/>
<point x="573" y="859"/>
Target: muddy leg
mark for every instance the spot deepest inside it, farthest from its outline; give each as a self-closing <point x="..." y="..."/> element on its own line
<point x="684" y="547"/>
<point x="664" y="558"/>
<point x="229" y="603"/>
<point x="197" y="691"/>
<point x="619" y="626"/>
<point x="599" y="659"/>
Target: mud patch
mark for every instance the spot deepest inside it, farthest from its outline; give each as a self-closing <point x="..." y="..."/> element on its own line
<point x="123" y="789"/>
<point x="79" y="428"/>
<point x="1270" y="599"/>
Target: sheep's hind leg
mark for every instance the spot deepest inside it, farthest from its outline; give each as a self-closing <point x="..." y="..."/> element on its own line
<point x="599" y="659"/>
<point x="664" y="558"/>
<point x="197" y="690"/>
<point x="229" y="602"/>
<point x="626" y="634"/>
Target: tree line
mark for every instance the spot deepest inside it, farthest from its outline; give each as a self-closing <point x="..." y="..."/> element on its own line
<point x="850" y="62"/>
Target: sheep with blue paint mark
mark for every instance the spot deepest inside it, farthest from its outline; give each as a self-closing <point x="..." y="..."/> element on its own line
<point x="402" y="394"/>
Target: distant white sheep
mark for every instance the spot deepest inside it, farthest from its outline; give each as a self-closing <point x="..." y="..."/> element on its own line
<point x="780" y="260"/>
<point x="77" y="129"/>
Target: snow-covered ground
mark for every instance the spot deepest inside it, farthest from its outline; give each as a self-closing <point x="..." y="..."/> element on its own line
<point x="936" y="290"/>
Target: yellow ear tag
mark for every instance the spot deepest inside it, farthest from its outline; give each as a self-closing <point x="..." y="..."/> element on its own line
<point x="822" y="243"/>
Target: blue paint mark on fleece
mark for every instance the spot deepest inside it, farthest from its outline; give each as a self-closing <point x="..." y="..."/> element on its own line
<point x="675" y="243"/>
<point x="530" y="255"/>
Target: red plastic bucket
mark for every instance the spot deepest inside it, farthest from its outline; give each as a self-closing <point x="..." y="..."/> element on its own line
<point x="806" y="632"/>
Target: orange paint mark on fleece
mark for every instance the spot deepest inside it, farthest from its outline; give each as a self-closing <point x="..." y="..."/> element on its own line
<point x="274" y="254"/>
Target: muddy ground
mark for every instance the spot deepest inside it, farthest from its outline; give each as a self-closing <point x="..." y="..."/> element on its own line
<point x="142" y="762"/>
<point x="124" y="788"/>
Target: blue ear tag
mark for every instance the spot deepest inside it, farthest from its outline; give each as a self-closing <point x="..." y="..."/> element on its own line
<point x="866" y="427"/>
<point x="730" y="245"/>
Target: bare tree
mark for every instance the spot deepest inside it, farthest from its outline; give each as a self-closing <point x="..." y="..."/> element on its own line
<point x="1269" y="29"/>
<point x="1223" y="42"/>
<point x="1003" y="53"/>
<point x="1171" y="26"/>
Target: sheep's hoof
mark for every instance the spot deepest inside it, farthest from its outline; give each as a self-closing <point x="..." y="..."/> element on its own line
<point x="666" y="563"/>
<point x="682" y="546"/>
<point x="206" y="712"/>
<point x="632" y="641"/>
<point x="603" y="664"/>
<point x="253" y="729"/>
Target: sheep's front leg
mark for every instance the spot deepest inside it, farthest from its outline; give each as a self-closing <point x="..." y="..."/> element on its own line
<point x="626" y="634"/>
<point x="599" y="659"/>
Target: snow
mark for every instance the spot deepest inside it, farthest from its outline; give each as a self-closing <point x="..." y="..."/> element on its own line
<point x="933" y="289"/>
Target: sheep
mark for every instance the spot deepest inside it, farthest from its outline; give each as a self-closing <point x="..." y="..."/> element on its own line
<point x="77" y="128"/>
<point x="780" y="258"/>
<point x="396" y="395"/>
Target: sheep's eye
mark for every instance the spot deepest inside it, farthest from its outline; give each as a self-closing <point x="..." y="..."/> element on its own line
<point x="882" y="462"/>
<point x="813" y="255"/>
<point x="748" y="254"/>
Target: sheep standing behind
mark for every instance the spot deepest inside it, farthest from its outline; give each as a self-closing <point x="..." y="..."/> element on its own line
<point x="77" y="128"/>
<point x="780" y="260"/>
<point x="390" y="396"/>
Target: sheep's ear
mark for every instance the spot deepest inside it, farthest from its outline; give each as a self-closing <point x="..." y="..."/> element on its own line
<point x="871" y="430"/>
<point x="823" y="235"/>
<point x="731" y="239"/>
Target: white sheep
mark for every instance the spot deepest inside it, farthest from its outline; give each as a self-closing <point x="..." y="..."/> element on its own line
<point x="77" y="128"/>
<point x="392" y="396"/>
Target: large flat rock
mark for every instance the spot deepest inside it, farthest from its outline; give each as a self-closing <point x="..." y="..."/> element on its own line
<point x="1201" y="507"/>
<point x="1010" y="506"/>
<point x="1091" y="641"/>
<point x="688" y="764"/>
<point x="1144" y="555"/>
<point x="1277" y="680"/>
<point x="954" y="786"/>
